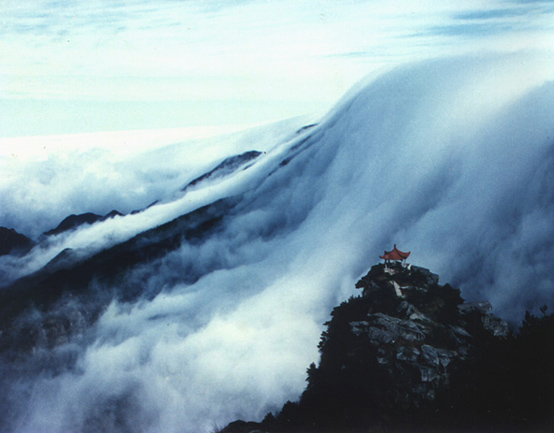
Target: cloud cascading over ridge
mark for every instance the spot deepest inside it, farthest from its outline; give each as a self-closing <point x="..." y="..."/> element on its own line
<point x="449" y="158"/>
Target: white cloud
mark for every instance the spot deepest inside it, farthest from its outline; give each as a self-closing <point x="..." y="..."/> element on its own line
<point x="445" y="158"/>
<point x="450" y="159"/>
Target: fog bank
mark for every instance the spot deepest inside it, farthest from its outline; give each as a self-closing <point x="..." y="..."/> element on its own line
<point x="451" y="159"/>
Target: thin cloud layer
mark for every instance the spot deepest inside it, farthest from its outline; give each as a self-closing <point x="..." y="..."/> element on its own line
<point x="98" y="66"/>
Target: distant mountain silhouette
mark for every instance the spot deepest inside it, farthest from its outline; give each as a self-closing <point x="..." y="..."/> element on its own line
<point x="11" y="241"/>
<point x="227" y="166"/>
<point x="74" y="221"/>
<point x="69" y="275"/>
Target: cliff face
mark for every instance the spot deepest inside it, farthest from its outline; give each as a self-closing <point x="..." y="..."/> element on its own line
<point x="388" y="353"/>
<point x="411" y="355"/>
<point x="416" y="328"/>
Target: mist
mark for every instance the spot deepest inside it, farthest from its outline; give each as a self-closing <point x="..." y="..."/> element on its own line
<point x="451" y="159"/>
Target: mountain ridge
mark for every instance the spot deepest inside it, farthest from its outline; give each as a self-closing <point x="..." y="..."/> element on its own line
<point x="12" y="242"/>
<point x="69" y="275"/>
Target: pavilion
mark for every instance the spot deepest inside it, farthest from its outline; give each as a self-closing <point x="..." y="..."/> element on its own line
<point x="395" y="255"/>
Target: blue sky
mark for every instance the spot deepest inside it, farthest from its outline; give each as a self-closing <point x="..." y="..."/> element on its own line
<point x="101" y="65"/>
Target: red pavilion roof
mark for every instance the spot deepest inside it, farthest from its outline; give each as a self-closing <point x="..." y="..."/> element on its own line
<point x="395" y="254"/>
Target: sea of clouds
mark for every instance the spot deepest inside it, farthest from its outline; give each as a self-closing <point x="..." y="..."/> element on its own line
<point x="451" y="159"/>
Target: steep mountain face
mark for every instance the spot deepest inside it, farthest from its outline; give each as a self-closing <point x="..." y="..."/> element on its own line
<point x="410" y="355"/>
<point x="391" y="351"/>
<point x="421" y="330"/>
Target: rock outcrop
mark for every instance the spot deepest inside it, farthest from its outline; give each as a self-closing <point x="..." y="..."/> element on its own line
<point x="389" y="358"/>
<point x="419" y="328"/>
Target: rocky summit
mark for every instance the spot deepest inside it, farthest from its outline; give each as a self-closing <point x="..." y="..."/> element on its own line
<point x="409" y="355"/>
<point x="418" y="328"/>
<point x="386" y="355"/>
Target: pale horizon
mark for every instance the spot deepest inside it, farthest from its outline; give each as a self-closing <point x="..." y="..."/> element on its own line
<point x="99" y="66"/>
